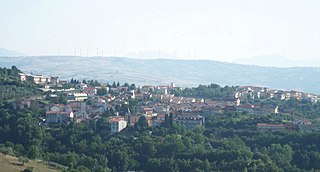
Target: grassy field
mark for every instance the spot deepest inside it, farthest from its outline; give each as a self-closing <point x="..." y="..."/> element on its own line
<point x="11" y="164"/>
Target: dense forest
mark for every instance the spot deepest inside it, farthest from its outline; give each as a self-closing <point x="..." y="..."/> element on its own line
<point x="228" y="142"/>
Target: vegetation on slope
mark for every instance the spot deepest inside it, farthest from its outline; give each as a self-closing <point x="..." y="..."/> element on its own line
<point x="228" y="143"/>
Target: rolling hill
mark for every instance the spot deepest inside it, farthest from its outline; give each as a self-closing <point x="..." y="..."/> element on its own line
<point x="9" y="53"/>
<point x="164" y="71"/>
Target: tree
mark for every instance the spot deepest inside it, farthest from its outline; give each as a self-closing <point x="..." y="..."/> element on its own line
<point x="27" y="170"/>
<point x="138" y="90"/>
<point x="281" y="155"/>
<point x="167" y="123"/>
<point x="71" y="159"/>
<point x="103" y="91"/>
<point x="23" y="160"/>
<point x="142" y="122"/>
<point x="19" y="149"/>
<point x="33" y="152"/>
<point x="102" y="123"/>
<point x="62" y="99"/>
<point x="132" y="87"/>
<point x="96" y="83"/>
<point x="114" y="85"/>
<point x="6" y="150"/>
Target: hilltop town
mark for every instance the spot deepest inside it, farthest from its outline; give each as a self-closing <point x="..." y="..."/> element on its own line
<point x="159" y="86"/>
<point x="126" y="104"/>
<point x="87" y="125"/>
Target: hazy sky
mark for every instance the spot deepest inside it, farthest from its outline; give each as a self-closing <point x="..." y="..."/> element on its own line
<point x="205" y="29"/>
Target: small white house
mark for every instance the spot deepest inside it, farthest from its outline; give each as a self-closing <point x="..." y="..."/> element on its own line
<point x="117" y="125"/>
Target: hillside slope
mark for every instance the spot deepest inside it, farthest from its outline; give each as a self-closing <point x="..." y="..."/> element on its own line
<point x="9" y="53"/>
<point x="11" y="164"/>
<point x="163" y="71"/>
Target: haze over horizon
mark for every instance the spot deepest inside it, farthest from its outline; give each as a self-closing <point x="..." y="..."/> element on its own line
<point x="213" y="30"/>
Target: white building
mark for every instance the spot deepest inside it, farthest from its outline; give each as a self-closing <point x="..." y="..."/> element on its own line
<point x="23" y="77"/>
<point x="117" y="125"/>
<point x="162" y="90"/>
<point x="238" y="102"/>
<point x="38" y="79"/>
<point x="77" y="96"/>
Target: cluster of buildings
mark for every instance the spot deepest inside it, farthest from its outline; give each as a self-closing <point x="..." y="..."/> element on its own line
<point x="266" y="93"/>
<point x="154" y="103"/>
<point x="38" y="79"/>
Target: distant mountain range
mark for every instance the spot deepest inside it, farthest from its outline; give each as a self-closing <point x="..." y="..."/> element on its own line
<point x="9" y="53"/>
<point x="151" y="54"/>
<point x="277" y="61"/>
<point x="164" y="71"/>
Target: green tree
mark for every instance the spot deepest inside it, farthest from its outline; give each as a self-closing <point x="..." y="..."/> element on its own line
<point x="23" y="160"/>
<point x="114" y="85"/>
<point x="281" y="155"/>
<point x="28" y="169"/>
<point x="139" y="90"/>
<point x="71" y="159"/>
<point x="33" y="152"/>
<point x="6" y="150"/>
<point x="63" y="99"/>
<point x="132" y="87"/>
<point x="103" y="91"/>
<point x="142" y="122"/>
